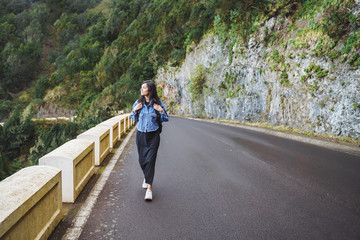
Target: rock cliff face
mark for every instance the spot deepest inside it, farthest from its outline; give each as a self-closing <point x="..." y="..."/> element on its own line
<point x="282" y="83"/>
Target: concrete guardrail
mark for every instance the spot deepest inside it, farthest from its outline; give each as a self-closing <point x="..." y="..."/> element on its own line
<point x="114" y="127"/>
<point x="123" y="123"/>
<point x="122" y="126"/>
<point x="31" y="199"/>
<point x="76" y="159"/>
<point x="30" y="203"/>
<point x="100" y="135"/>
<point x="130" y="122"/>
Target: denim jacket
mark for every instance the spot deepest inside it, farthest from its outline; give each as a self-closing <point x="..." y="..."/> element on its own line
<point x="147" y="117"/>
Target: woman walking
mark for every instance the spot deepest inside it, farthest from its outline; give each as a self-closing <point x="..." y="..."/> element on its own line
<point x="150" y="112"/>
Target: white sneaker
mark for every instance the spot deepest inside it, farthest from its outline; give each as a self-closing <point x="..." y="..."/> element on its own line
<point x="145" y="185"/>
<point x="148" y="195"/>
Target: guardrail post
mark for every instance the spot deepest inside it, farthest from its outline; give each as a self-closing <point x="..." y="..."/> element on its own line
<point x="101" y="137"/>
<point x="30" y="203"/>
<point x="76" y="159"/>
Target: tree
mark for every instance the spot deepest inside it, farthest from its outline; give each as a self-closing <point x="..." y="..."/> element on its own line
<point x="19" y="65"/>
<point x="15" y="133"/>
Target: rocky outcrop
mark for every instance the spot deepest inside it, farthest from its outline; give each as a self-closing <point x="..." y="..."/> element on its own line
<point x="282" y="84"/>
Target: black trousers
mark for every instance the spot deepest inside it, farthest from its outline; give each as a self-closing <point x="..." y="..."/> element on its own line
<point x="147" y="146"/>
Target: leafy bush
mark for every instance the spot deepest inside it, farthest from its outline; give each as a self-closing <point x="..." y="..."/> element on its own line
<point x="41" y="84"/>
<point x="5" y="108"/>
<point x="276" y="57"/>
<point x="352" y="43"/>
<point x="197" y="82"/>
<point x="16" y="133"/>
<point x="55" y="137"/>
<point x="93" y="119"/>
<point x="336" y="24"/>
<point x="317" y="70"/>
<point x="19" y="65"/>
<point x="176" y="56"/>
<point x="284" y="78"/>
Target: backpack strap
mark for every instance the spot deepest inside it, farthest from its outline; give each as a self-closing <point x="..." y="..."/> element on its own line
<point x="158" y="119"/>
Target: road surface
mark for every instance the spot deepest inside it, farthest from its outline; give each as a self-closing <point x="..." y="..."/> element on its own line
<point x="222" y="182"/>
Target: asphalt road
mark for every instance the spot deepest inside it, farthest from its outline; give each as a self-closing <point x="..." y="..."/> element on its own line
<point x="223" y="182"/>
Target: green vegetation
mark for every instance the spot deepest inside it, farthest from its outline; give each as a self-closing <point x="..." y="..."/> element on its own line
<point x="50" y="137"/>
<point x="356" y="105"/>
<point x="276" y="57"/>
<point x="15" y="135"/>
<point x="82" y="48"/>
<point x="292" y="27"/>
<point x="352" y="43"/>
<point x="23" y="142"/>
<point x="284" y="78"/>
<point x="270" y="38"/>
<point x="229" y="80"/>
<point x="231" y="87"/>
<point x="85" y="55"/>
<point x="92" y="55"/>
<point x="238" y="20"/>
<point x="337" y="25"/>
<point x="314" y="88"/>
<point x="314" y="71"/>
<point x="265" y="55"/>
<point x="197" y="82"/>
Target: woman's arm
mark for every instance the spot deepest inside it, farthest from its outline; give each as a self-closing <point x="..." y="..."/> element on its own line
<point x="135" y="110"/>
<point x="163" y="115"/>
<point x="161" y="109"/>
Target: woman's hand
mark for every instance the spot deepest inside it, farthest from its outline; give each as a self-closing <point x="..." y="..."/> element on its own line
<point x="138" y="107"/>
<point x="158" y="108"/>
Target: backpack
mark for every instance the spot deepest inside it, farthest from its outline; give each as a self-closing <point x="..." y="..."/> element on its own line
<point x="158" y="119"/>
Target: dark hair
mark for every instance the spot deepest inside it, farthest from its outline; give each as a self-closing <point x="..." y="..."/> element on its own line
<point x="152" y="93"/>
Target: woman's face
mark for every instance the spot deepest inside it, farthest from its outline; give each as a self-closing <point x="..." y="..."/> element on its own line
<point x="144" y="90"/>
